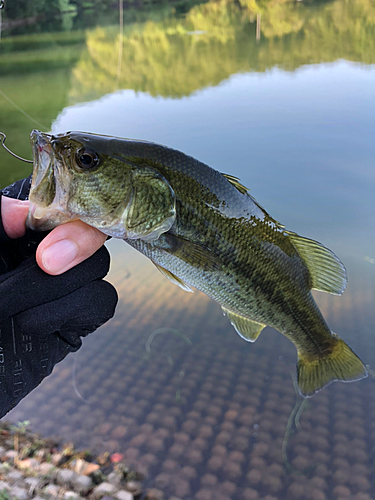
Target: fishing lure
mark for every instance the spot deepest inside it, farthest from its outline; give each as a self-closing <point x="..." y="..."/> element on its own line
<point x="3" y="136"/>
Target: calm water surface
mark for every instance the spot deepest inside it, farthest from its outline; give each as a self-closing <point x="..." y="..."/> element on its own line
<point x="291" y="112"/>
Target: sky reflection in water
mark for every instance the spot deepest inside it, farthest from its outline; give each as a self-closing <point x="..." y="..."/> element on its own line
<point x="302" y="142"/>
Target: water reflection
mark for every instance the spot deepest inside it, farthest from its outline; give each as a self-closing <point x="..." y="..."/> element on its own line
<point x="172" y="57"/>
<point x="180" y="56"/>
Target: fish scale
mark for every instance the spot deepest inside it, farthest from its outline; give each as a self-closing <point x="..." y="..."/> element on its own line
<point x="201" y="229"/>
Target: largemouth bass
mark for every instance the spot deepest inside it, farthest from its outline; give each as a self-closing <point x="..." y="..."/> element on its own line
<point x="201" y="229"/>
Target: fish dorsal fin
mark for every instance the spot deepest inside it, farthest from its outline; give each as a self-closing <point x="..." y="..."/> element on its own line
<point x="327" y="272"/>
<point x="248" y="329"/>
<point x="235" y="181"/>
<point x="172" y="277"/>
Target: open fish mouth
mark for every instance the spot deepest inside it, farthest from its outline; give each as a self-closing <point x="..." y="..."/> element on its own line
<point x="48" y="197"/>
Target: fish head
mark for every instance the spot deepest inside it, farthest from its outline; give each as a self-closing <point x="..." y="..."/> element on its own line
<point x="94" y="178"/>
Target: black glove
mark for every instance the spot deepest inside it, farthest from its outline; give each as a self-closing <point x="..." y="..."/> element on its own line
<point x="43" y="317"/>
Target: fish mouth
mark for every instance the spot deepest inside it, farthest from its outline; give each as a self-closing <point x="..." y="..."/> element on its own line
<point x="40" y="141"/>
<point x="48" y="192"/>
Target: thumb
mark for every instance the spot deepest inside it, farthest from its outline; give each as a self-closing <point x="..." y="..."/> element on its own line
<point x="13" y="215"/>
<point x="68" y="245"/>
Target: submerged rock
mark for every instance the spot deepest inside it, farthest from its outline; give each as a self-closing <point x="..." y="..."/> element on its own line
<point x="38" y="470"/>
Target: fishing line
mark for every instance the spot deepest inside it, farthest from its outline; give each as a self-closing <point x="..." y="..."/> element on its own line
<point x="2" y="142"/>
<point x="22" y="111"/>
<point x="299" y="407"/>
<point x="158" y="332"/>
<point x="178" y="390"/>
<point x="74" y="381"/>
<point x="120" y="41"/>
<point x="2" y="5"/>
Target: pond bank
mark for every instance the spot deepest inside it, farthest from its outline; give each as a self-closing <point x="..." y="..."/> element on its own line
<point x="33" y="467"/>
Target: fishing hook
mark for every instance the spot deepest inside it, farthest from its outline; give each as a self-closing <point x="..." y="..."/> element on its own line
<point x="3" y="137"/>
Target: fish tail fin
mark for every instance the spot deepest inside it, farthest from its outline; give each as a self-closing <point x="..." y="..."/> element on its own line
<point x="338" y="362"/>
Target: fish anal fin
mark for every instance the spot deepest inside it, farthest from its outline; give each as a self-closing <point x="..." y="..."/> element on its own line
<point x="174" y="279"/>
<point x="327" y="272"/>
<point x="235" y="181"/>
<point x="246" y="328"/>
<point x="338" y="364"/>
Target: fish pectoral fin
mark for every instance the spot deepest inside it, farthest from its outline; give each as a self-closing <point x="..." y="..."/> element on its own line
<point x="246" y="328"/>
<point x="327" y="272"/>
<point x="339" y="362"/>
<point x="151" y="210"/>
<point x="190" y="252"/>
<point x="174" y="279"/>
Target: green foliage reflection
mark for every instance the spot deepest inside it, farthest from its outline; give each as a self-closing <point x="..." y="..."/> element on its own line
<point x="179" y="56"/>
<point x="43" y="100"/>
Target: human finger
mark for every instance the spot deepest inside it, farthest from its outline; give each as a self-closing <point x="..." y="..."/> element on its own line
<point x="68" y="245"/>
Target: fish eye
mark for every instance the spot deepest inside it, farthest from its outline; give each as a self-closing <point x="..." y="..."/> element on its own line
<point x="87" y="158"/>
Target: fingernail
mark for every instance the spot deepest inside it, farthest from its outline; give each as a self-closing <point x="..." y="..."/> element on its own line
<point x="57" y="257"/>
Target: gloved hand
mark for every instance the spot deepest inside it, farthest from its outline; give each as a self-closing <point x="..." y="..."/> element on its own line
<point x="43" y="317"/>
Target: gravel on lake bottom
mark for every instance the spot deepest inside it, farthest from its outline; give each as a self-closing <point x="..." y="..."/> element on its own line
<point x="32" y="467"/>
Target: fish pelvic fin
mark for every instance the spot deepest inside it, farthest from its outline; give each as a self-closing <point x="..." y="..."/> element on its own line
<point x="248" y="329"/>
<point x="338" y="363"/>
<point x="327" y="272"/>
<point x="174" y="279"/>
